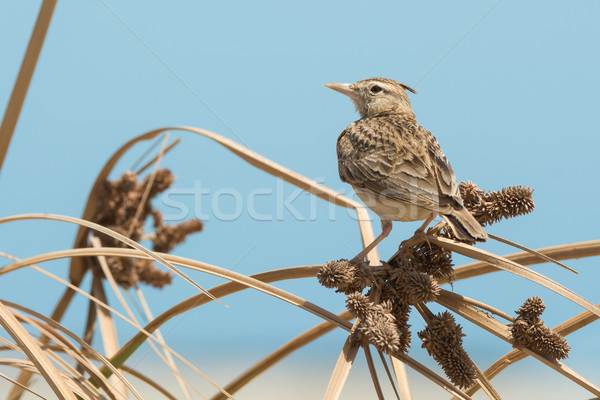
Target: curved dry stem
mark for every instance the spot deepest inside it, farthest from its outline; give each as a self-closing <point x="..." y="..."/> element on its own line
<point x="528" y="250"/>
<point x="562" y="252"/>
<point x="58" y="327"/>
<point x="515" y="268"/>
<point x="22" y="387"/>
<point x="109" y="232"/>
<point x="341" y="370"/>
<point x="17" y="97"/>
<point x="34" y="352"/>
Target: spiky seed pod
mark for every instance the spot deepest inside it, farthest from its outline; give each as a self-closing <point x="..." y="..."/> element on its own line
<point x="442" y="338"/>
<point x="345" y="276"/>
<point x="459" y="367"/>
<point x="336" y="274"/>
<point x="490" y="207"/>
<point x="359" y="305"/>
<point x="401" y="313"/>
<point x="531" y="309"/>
<point x="417" y="287"/>
<point x="380" y="330"/>
<point x="470" y="194"/>
<point x="529" y="331"/>
<point x="553" y="344"/>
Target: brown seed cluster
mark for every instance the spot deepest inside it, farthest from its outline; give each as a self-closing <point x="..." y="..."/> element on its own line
<point x="118" y="203"/>
<point x="490" y="207"/>
<point x="529" y="331"/>
<point x="410" y="278"/>
<point x="443" y="338"/>
<point x="384" y="325"/>
<point x="345" y="276"/>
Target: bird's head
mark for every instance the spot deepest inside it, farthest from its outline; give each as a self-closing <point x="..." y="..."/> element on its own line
<point x="376" y="97"/>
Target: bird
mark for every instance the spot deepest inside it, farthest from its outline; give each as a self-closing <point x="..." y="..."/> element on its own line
<point x="396" y="167"/>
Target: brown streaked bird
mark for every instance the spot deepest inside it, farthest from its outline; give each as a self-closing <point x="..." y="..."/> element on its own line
<point x="395" y="166"/>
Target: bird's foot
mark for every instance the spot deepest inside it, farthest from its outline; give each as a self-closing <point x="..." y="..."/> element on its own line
<point x="419" y="236"/>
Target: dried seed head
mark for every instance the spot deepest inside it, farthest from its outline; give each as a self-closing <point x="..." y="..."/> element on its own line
<point x="459" y="367"/>
<point x="417" y="287"/>
<point x="401" y="313"/>
<point x="529" y="331"/>
<point x="421" y="288"/>
<point x="359" y="305"/>
<point x="117" y="208"/>
<point x="442" y="338"/>
<point x="490" y="207"/>
<point x="531" y="309"/>
<point x="336" y="274"/>
<point x="169" y="236"/>
<point x="381" y="332"/>
<point x="345" y="276"/>
<point x="470" y="193"/>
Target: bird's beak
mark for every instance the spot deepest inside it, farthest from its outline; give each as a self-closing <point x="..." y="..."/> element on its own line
<point x="343" y="88"/>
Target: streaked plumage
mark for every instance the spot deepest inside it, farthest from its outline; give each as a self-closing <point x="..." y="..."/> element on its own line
<point x="396" y="166"/>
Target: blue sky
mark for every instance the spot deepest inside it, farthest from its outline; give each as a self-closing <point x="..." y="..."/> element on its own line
<point x="509" y="89"/>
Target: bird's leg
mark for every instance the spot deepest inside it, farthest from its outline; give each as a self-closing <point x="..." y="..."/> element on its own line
<point x="419" y="233"/>
<point x="386" y="228"/>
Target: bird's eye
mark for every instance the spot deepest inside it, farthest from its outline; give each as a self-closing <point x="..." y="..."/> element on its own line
<point x="376" y="89"/>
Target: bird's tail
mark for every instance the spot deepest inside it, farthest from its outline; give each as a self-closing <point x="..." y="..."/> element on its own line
<point x="465" y="226"/>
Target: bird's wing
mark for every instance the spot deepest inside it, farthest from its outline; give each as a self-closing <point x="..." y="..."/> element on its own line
<point x="396" y="159"/>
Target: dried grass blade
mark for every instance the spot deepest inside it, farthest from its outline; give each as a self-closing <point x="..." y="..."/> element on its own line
<point x="167" y="356"/>
<point x="58" y="327"/>
<point x="388" y="373"/>
<point x="78" y="356"/>
<point x="486" y="385"/>
<point x="561" y="252"/>
<point x="19" y="92"/>
<point x="155" y="158"/>
<point x="373" y="372"/>
<point x="342" y="370"/>
<point x="517" y="269"/>
<point x="530" y="251"/>
<point x="109" y="232"/>
<point x="14" y="382"/>
<point x="108" y="332"/>
<point x="402" y="378"/>
<point x="35" y="354"/>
